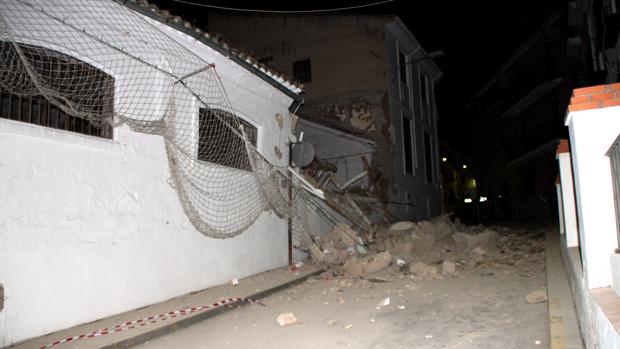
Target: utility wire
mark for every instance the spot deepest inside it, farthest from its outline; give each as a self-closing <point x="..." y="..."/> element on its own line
<point x="285" y="11"/>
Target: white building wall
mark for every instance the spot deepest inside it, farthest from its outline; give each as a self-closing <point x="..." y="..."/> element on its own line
<point x="92" y="227"/>
<point x="592" y="132"/>
<point x="568" y="213"/>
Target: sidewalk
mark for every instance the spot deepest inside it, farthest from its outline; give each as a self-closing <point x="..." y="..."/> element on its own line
<point x="254" y="287"/>
<point x="564" y="330"/>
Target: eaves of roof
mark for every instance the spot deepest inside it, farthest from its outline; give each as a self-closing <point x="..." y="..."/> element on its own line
<point x="246" y="60"/>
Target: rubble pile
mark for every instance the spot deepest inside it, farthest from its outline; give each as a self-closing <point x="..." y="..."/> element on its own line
<point x="432" y="249"/>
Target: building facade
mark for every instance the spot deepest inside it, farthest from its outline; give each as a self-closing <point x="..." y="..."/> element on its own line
<point x="518" y="115"/>
<point x="91" y="222"/>
<point x="365" y="75"/>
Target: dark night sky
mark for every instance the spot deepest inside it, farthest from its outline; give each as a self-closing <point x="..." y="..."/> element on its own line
<point x="476" y="37"/>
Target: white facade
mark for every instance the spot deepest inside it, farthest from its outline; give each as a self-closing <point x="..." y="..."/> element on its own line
<point x="591" y="233"/>
<point x="566" y="193"/>
<point x="592" y="132"/>
<point x="91" y="227"/>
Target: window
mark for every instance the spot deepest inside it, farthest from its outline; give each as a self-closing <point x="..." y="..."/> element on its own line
<point x="302" y="71"/>
<point x="90" y="92"/>
<point x="424" y="95"/>
<point x="267" y="61"/>
<point x="407" y="145"/>
<point x="402" y="68"/>
<point x="424" y="88"/>
<point x="402" y="72"/>
<point x="428" y="154"/>
<point x="218" y="143"/>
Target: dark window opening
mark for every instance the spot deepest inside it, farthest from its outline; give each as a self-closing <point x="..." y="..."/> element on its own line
<point x="90" y="92"/>
<point x="407" y="145"/>
<point x="219" y="144"/>
<point x="424" y="88"/>
<point x="302" y="70"/>
<point x="402" y="67"/>
<point x="267" y="61"/>
<point x="428" y="154"/>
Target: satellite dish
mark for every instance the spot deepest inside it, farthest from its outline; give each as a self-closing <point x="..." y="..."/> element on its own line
<point x="303" y="154"/>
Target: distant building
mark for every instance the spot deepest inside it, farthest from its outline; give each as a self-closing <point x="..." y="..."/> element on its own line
<point x="518" y="115"/>
<point x="365" y="75"/>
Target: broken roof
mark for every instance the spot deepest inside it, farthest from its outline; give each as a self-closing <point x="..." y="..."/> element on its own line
<point x="214" y="41"/>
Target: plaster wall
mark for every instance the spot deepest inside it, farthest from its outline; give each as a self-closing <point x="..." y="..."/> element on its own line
<point x="412" y="196"/>
<point x="592" y="132"/>
<point x="91" y="227"/>
<point x="568" y="211"/>
<point x="596" y="328"/>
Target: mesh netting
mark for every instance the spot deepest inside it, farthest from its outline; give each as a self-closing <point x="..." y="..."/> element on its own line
<point x="101" y="62"/>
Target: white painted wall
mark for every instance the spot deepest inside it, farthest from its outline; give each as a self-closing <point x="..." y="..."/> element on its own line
<point x="596" y="328"/>
<point x="91" y="227"/>
<point x="567" y="206"/>
<point x="592" y="132"/>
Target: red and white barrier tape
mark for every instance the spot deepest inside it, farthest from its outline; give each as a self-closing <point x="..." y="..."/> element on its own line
<point x="151" y="320"/>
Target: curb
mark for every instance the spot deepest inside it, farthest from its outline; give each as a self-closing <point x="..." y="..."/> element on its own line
<point x="193" y="319"/>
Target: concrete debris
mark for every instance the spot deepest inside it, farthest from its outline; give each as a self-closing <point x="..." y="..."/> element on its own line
<point x="537" y="296"/>
<point x="402" y="226"/>
<point x="367" y="265"/>
<point x="286" y="319"/>
<point x="431" y="249"/>
<point x="448" y="268"/>
<point x="422" y="271"/>
<point x="384" y="302"/>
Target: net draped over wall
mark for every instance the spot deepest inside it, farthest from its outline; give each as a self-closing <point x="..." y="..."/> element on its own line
<point x="102" y="62"/>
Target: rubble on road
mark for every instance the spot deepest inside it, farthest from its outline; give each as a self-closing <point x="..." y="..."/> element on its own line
<point x="537" y="296"/>
<point x="371" y="247"/>
<point x="426" y="250"/>
<point x="286" y="319"/>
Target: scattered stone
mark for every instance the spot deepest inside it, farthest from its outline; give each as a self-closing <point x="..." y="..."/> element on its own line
<point x="448" y="268"/>
<point x="401" y="226"/>
<point x="367" y="265"/>
<point x="423" y="271"/>
<point x="384" y="303"/>
<point x="401" y="307"/>
<point x="537" y="296"/>
<point x="486" y="272"/>
<point x="331" y="322"/>
<point x="234" y="282"/>
<point x="348" y="326"/>
<point x="286" y="319"/>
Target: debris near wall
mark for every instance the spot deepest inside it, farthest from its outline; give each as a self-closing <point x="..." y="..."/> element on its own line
<point x="433" y="249"/>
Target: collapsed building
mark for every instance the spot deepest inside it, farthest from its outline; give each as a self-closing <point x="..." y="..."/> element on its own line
<point x="369" y="117"/>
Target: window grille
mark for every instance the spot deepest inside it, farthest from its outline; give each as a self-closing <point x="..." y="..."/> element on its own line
<point x="218" y="144"/>
<point x="80" y="81"/>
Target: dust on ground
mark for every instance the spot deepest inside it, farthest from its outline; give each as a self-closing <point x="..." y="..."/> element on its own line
<point x="433" y="284"/>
